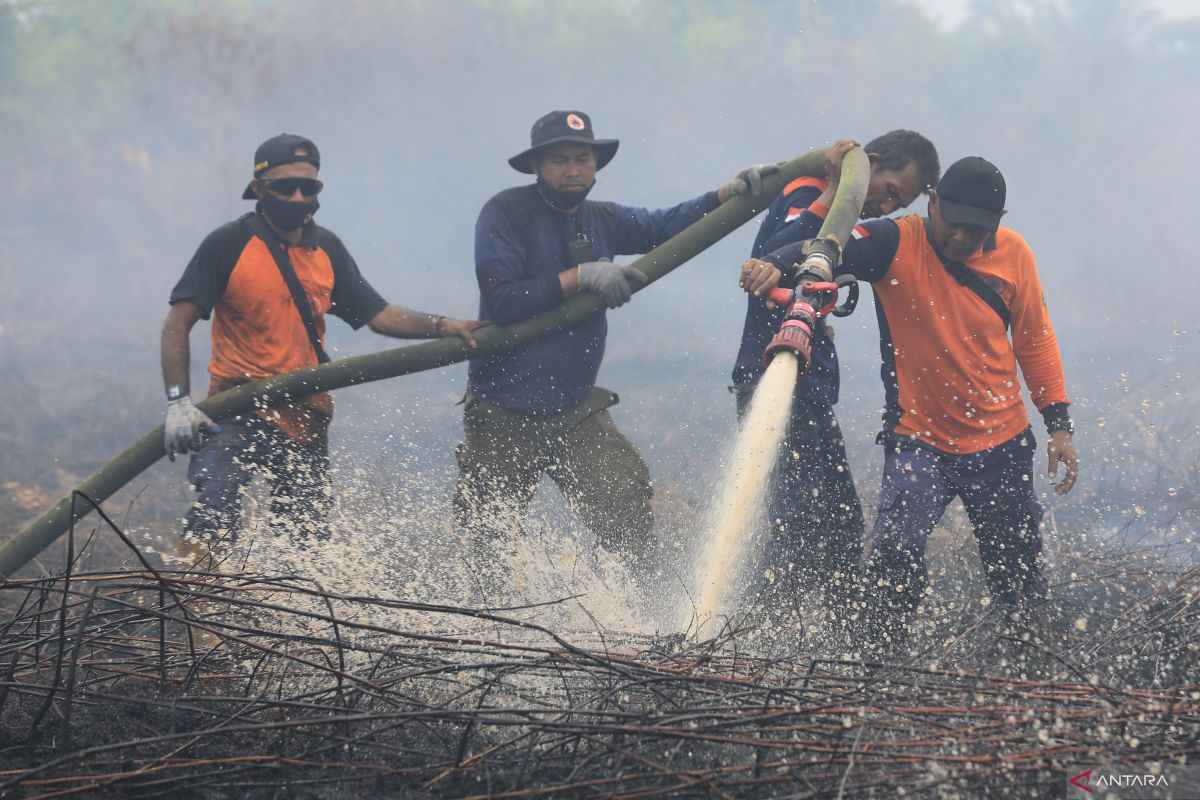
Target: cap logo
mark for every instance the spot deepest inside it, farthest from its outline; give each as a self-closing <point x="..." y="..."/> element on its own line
<point x="574" y="122"/>
<point x="261" y="165"/>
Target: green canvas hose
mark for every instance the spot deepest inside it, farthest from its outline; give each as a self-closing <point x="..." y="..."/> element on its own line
<point x="492" y="339"/>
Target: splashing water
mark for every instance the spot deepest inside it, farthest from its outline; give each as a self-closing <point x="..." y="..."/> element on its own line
<point x="402" y="547"/>
<point x="741" y="498"/>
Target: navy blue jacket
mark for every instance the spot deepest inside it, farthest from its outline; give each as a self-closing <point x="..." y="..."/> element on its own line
<point x="521" y="245"/>
<point x="787" y="222"/>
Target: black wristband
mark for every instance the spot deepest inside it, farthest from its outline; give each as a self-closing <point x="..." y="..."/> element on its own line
<point x="175" y="392"/>
<point x="1057" y="418"/>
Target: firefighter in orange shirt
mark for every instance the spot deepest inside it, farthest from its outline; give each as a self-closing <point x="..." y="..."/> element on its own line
<point x="242" y="276"/>
<point x="949" y="290"/>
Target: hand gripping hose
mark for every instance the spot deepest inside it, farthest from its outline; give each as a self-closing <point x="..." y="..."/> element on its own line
<point x="816" y="294"/>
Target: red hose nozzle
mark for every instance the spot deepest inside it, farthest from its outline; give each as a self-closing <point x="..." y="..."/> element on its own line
<point x="795" y="333"/>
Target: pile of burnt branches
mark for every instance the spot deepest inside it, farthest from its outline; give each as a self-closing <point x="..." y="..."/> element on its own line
<point x="1156" y="644"/>
<point x="189" y="683"/>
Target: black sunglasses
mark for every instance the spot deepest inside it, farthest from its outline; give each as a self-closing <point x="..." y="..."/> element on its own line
<point x="286" y="187"/>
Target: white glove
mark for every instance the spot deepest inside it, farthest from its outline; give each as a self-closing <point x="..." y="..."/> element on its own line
<point x="186" y="427"/>
<point x="611" y="281"/>
<point x="750" y="179"/>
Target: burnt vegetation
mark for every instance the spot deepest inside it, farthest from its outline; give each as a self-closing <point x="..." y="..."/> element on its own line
<point x="204" y="682"/>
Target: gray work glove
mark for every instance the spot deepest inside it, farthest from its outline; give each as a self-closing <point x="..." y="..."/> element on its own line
<point x="750" y="179"/>
<point x="610" y="281"/>
<point x="186" y="427"/>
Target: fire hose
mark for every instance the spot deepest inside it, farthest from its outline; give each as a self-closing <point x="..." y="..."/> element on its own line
<point x="492" y="340"/>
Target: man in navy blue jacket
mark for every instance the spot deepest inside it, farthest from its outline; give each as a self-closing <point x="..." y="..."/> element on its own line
<point x="537" y="410"/>
<point x="816" y="520"/>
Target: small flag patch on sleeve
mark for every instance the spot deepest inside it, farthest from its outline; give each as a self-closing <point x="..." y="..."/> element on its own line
<point x="860" y="232"/>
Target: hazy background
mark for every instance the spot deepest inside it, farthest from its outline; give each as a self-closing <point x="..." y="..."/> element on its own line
<point x="127" y="130"/>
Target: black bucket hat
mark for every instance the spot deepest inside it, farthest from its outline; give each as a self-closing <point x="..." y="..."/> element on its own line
<point x="971" y="192"/>
<point x="286" y="148"/>
<point x="564" y="126"/>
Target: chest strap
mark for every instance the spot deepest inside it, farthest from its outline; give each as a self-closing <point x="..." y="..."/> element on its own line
<point x="970" y="279"/>
<point x="279" y="252"/>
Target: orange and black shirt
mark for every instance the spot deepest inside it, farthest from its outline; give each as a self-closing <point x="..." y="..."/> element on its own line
<point x="949" y="367"/>
<point x="257" y="331"/>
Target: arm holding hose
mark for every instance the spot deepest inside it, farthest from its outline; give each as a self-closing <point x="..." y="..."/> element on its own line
<point x="821" y="258"/>
<point x="818" y="268"/>
<point x="850" y="171"/>
<point x="186" y="426"/>
<point x="866" y="256"/>
<point x="814" y="297"/>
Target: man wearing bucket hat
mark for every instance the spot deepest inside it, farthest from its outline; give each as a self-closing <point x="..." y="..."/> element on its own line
<point x="537" y="410"/>
<point x="950" y="290"/>
<point x="267" y="279"/>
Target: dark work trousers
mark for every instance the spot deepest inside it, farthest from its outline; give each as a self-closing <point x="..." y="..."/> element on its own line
<point x="996" y="487"/>
<point x="599" y="471"/>
<point x="247" y="445"/>
<point x="815" y="538"/>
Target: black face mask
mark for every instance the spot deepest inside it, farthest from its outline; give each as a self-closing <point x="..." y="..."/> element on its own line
<point x="286" y="215"/>
<point x="563" y="201"/>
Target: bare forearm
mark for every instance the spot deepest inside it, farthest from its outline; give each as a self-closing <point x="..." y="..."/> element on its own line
<point x="827" y="196"/>
<point x="176" y="362"/>
<point x="568" y="279"/>
<point x="176" y="350"/>
<point x="405" y="323"/>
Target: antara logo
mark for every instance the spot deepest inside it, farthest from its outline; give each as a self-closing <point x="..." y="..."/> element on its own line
<point x="1084" y="780"/>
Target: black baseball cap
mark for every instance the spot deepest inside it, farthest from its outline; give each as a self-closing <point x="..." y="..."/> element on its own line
<point x="564" y="126"/>
<point x="971" y="192"/>
<point x="286" y="148"/>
